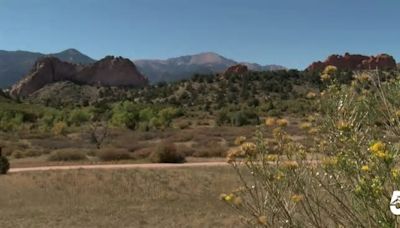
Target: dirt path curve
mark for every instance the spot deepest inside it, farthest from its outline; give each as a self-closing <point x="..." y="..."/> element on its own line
<point x="119" y="166"/>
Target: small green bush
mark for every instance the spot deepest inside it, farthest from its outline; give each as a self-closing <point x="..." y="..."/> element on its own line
<point x="67" y="155"/>
<point x="167" y="153"/>
<point x="4" y="165"/>
<point x="113" y="154"/>
<point x="78" y="117"/>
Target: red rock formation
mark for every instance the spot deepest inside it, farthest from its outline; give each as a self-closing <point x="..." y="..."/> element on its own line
<point x="45" y="70"/>
<point x="112" y="71"/>
<point x="382" y="61"/>
<point x="355" y="62"/>
<point x="109" y="71"/>
<point x="236" y="69"/>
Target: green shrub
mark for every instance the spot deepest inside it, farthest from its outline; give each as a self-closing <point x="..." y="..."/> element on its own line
<point x="244" y="117"/>
<point x="10" y="120"/>
<point x="67" y="155"/>
<point x="222" y="117"/>
<point x="78" y="117"/>
<point x="113" y="154"/>
<point x="167" y="153"/>
<point x="166" y="115"/>
<point x="4" y="164"/>
<point x="125" y="114"/>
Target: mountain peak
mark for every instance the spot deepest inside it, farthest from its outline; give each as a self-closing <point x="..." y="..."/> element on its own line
<point x="74" y="56"/>
<point x="208" y="58"/>
<point x="71" y="51"/>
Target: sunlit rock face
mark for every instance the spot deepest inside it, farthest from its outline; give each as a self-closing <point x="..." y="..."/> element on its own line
<point x="110" y="71"/>
<point x="355" y="62"/>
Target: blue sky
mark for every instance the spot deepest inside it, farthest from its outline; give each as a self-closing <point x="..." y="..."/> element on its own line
<point x="287" y="32"/>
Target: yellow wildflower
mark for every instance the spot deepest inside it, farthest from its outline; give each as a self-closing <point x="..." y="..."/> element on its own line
<point x="271" y="157"/>
<point x="330" y="161"/>
<point x="222" y="196"/>
<point x="248" y="149"/>
<point x="381" y="155"/>
<point x="279" y="176"/>
<point x="376" y="185"/>
<point x="395" y="173"/>
<point x="232" y="155"/>
<point x="365" y="168"/>
<point x="325" y="77"/>
<point x="358" y="189"/>
<point x="297" y="198"/>
<point x="377" y="147"/>
<point x="363" y="77"/>
<point x="329" y="70"/>
<point x="228" y="198"/>
<point x="270" y="121"/>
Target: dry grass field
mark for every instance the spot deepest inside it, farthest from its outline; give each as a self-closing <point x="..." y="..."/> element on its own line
<point x="181" y="197"/>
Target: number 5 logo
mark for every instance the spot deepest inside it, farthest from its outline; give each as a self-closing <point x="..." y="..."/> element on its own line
<point x="395" y="203"/>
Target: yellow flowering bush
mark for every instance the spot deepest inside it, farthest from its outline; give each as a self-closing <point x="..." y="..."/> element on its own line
<point x="365" y="168"/>
<point x="305" y="126"/>
<point x="270" y="121"/>
<point x="325" y="77"/>
<point x="330" y="70"/>
<point x="282" y="122"/>
<point x="248" y="149"/>
<point x="328" y="73"/>
<point x="239" y="140"/>
<point x="59" y="128"/>
<point x="343" y="177"/>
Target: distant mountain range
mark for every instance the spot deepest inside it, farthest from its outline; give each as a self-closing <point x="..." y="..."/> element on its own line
<point x="184" y="67"/>
<point x="16" y="64"/>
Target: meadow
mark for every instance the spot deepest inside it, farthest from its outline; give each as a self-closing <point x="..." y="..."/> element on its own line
<point x="332" y="164"/>
<point x="181" y="197"/>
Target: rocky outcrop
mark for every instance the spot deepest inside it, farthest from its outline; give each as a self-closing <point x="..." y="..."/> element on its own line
<point x="351" y="62"/>
<point x="383" y="62"/>
<point x="236" y="69"/>
<point x="109" y="71"/>
<point x="44" y="71"/>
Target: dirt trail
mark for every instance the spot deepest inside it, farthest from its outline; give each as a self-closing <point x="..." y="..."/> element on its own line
<point x="119" y="166"/>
